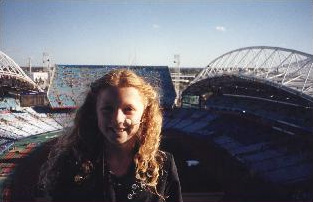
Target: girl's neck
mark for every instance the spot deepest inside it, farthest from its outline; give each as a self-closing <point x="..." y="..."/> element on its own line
<point x="120" y="158"/>
<point x="120" y="151"/>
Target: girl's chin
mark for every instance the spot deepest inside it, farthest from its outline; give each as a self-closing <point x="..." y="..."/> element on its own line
<point x="121" y="141"/>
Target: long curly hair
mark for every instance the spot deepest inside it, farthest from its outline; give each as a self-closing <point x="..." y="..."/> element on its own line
<point x="85" y="141"/>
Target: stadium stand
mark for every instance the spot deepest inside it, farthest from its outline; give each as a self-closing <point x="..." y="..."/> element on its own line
<point x="17" y="123"/>
<point x="255" y="151"/>
<point x="71" y="82"/>
<point x="15" y="159"/>
<point x="20" y="124"/>
<point x="237" y="94"/>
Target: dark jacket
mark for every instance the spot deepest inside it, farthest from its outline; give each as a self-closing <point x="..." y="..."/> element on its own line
<point x="74" y="184"/>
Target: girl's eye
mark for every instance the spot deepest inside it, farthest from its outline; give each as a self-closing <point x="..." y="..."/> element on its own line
<point x="128" y="109"/>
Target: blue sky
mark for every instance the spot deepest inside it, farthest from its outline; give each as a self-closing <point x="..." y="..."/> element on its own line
<point x="149" y="32"/>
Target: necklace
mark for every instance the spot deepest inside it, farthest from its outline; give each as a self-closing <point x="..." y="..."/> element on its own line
<point x="124" y="186"/>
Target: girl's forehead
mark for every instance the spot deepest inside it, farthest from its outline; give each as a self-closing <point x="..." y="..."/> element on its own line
<point x="120" y="94"/>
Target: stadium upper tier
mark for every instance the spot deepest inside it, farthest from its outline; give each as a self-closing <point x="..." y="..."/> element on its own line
<point x="285" y="68"/>
<point x="234" y="93"/>
<point x="243" y="86"/>
<point x="70" y="83"/>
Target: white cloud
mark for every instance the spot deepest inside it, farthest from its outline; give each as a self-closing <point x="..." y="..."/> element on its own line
<point x="220" y="28"/>
<point x="156" y="26"/>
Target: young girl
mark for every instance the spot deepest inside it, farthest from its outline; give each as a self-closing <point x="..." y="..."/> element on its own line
<point x="112" y="153"/>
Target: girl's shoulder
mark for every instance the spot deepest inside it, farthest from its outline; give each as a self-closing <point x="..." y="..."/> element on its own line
<point x="169" y="184"/>
<point x="168" y="165"/>
<point x="165" y="156"/>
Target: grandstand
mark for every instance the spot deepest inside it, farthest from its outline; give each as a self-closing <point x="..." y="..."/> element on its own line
<point x="262" y="97"/>
<point x="247" y="159"/>
<point x="18" y="122"/>
<point x="71" y="82"/>
<point x="243" y="132"/>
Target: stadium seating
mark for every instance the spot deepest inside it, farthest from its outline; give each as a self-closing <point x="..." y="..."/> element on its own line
<point x="7" y="103"/>
<point x="17" y="122"/>
<point x="5" y="144"/>
<point x="270" y="110"/>
<point x="64" y="119"/>
<point x="71" y="82"/>
<point x="188" y="120"/>
<point x="274" y="156"/>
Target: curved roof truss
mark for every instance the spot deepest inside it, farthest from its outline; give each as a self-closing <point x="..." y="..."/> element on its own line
<point x="280" y="66"/>
<point x="9" y="68"/>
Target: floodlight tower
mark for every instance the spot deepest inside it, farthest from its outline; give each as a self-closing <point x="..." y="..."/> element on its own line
<point x="46" y="64"/>
<point x="46" y="60"/>
<point x="177" y="79"/>
<point x="30" y="65"/>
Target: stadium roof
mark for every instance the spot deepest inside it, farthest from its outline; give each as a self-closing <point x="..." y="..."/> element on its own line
<point x="9" y="68"/>
<point x="285" y="68"/>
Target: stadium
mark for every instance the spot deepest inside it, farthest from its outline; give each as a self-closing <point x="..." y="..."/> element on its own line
<point x="241" y="131"/>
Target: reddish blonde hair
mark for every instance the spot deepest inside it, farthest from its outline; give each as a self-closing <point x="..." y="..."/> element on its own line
<point x="148" y="158"/>
<point x="85" y="141"/>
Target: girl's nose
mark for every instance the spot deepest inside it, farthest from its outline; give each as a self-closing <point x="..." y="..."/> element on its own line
<point x="119" y="117"/>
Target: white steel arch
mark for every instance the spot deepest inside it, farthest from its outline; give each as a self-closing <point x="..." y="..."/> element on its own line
<point x="9" y="68"/>
<point x="279" y="66"/>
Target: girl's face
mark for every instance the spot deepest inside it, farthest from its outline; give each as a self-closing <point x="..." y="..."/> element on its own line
<point x="119" y="112"/>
